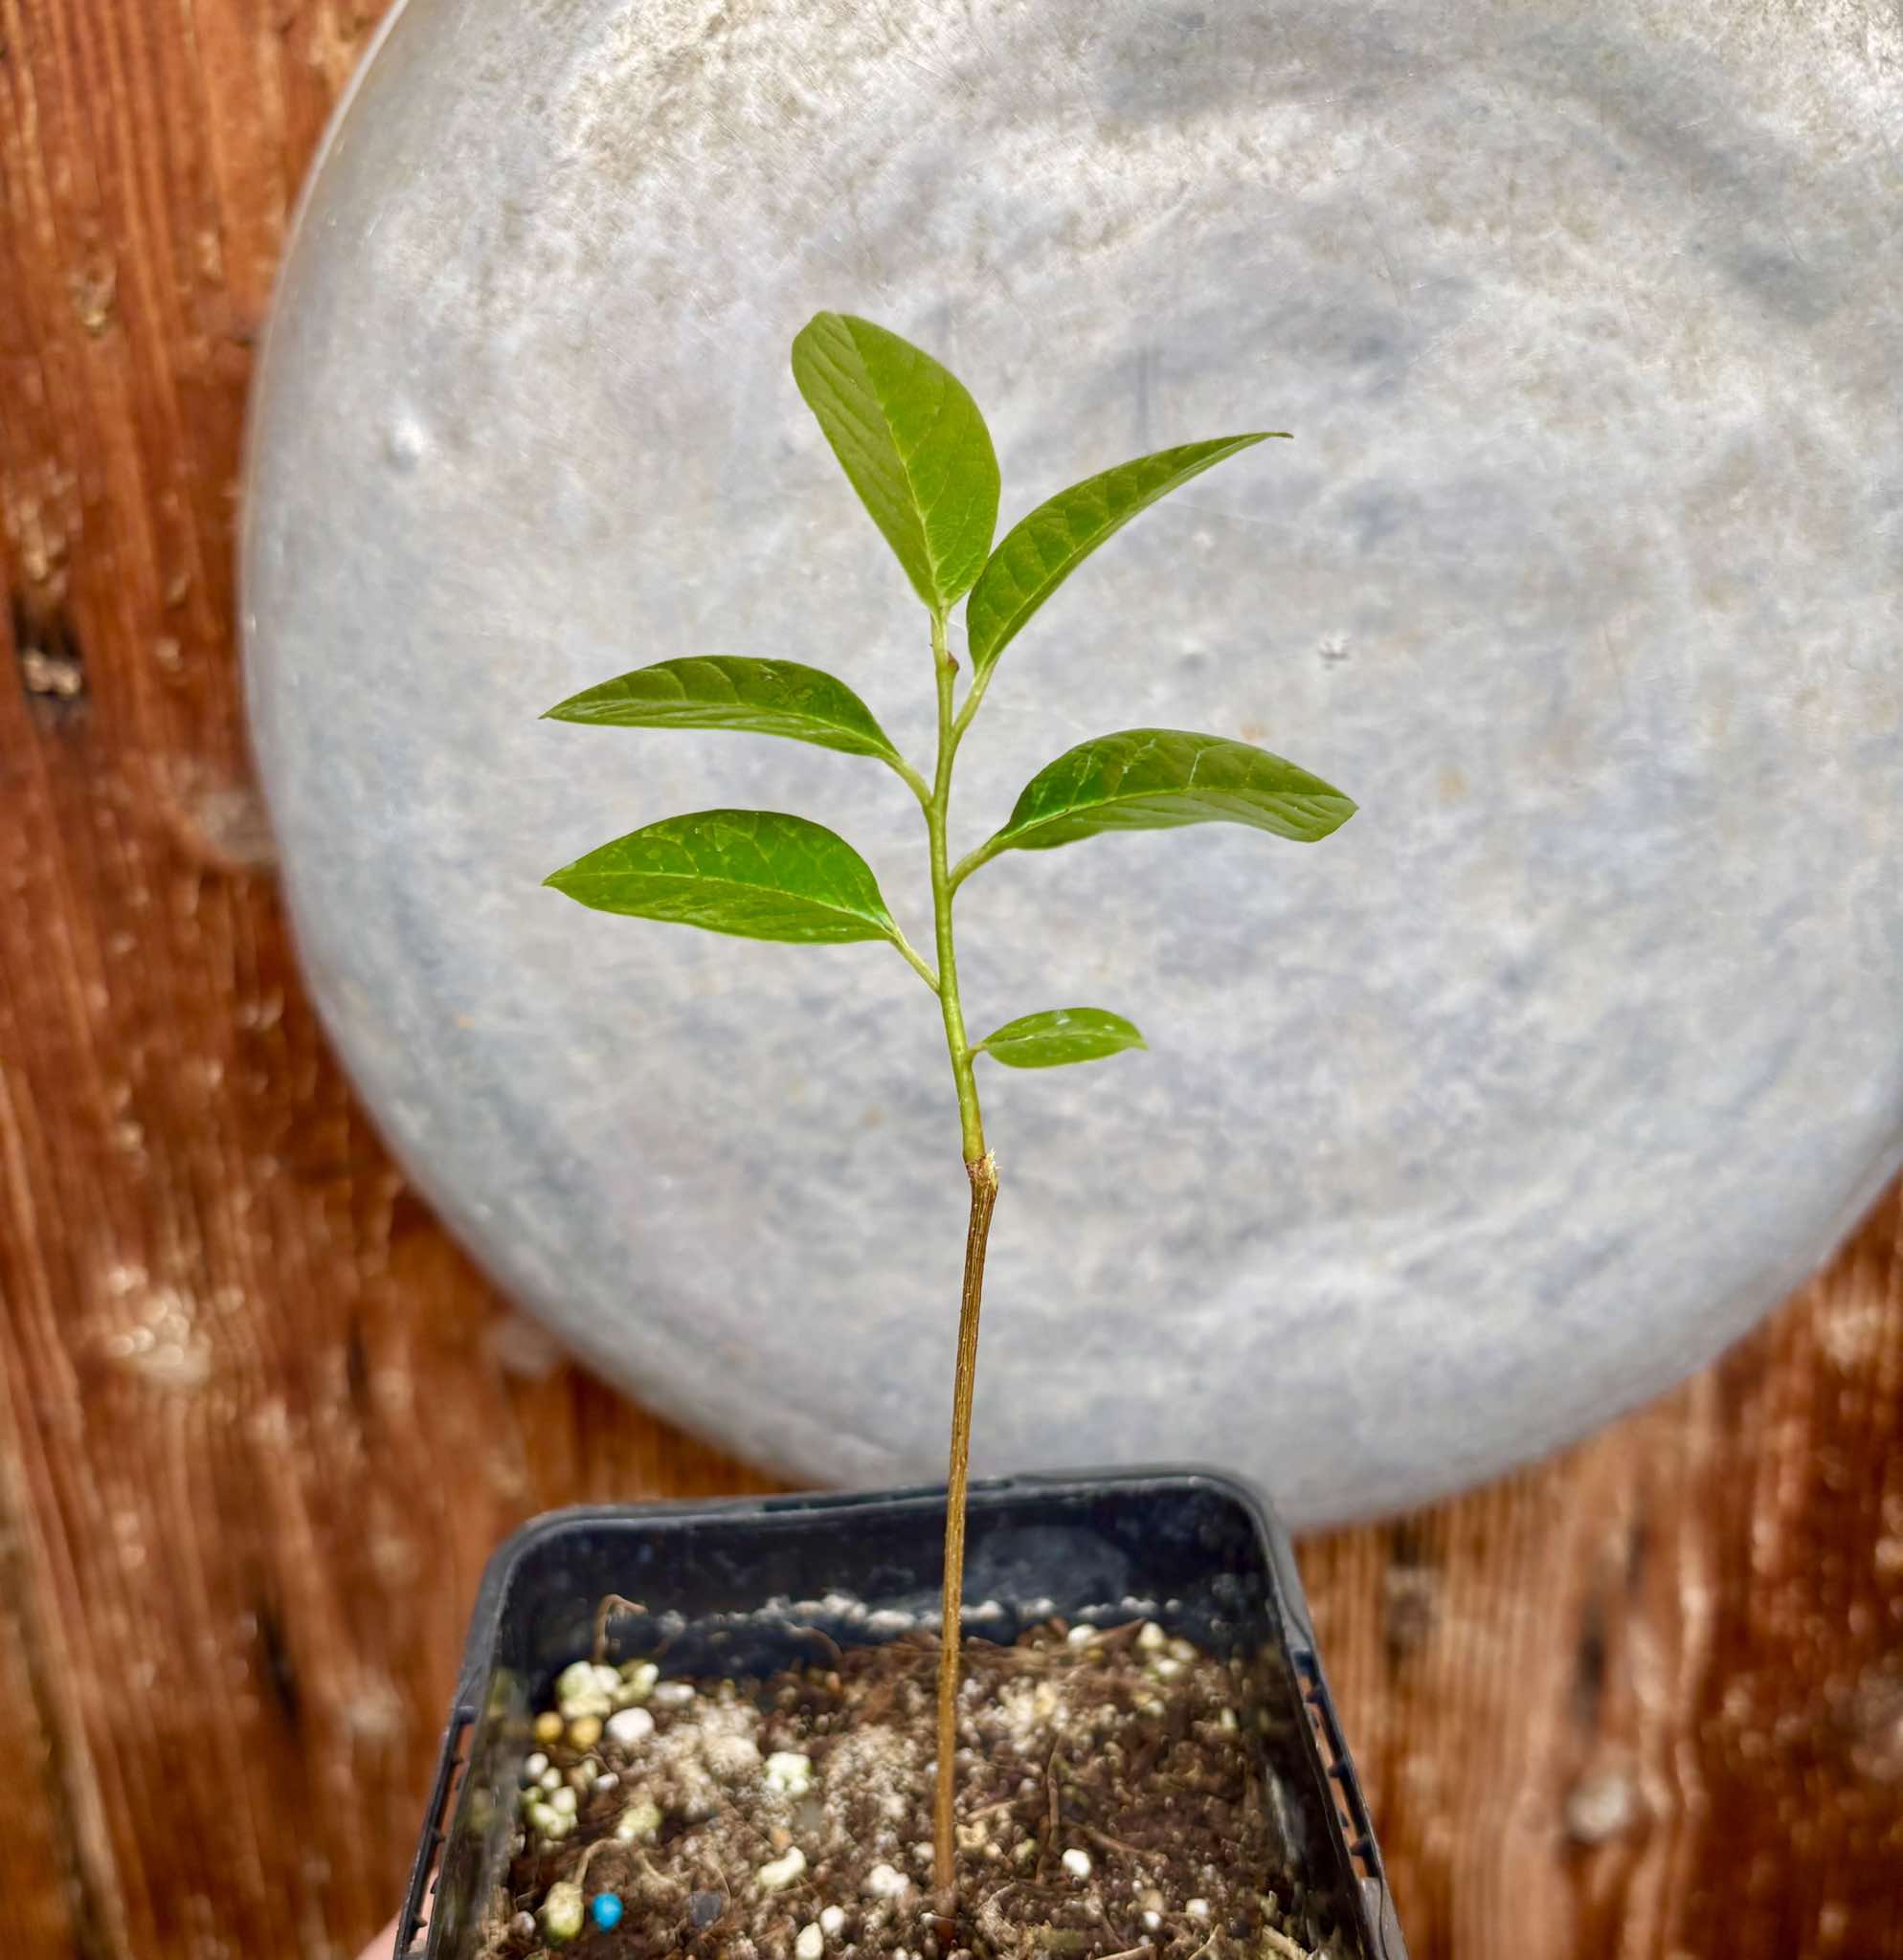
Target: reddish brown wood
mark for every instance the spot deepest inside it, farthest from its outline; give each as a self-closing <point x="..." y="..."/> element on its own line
<point x="1648" y="1701"/>
<point x="259" y="1423"/>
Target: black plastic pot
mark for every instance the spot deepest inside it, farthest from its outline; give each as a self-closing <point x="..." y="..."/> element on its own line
<point x="727" y="1584"/>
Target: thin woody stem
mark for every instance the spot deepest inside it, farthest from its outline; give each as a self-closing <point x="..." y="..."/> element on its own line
<point x="613" y="1604"/>
<point x="982" y="1172"/>
<point x="944" y="1867"/>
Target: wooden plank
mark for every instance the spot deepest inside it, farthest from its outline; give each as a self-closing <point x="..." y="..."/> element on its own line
<point x="43" y="1907"/>
<point x="260" y="1424"/>
<point x="264" y="1423"/>
<point x="1648" y="1700"/>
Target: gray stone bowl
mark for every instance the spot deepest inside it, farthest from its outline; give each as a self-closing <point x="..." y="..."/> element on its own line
<point x="1461" y="1131"/>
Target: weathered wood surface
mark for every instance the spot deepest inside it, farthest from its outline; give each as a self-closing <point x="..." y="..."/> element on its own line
<point x="260" y="1424"/>
<point x="1648" y="1701"/>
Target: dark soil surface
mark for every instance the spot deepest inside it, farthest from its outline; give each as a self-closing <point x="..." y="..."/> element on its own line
<point x="1111" y="1804"/>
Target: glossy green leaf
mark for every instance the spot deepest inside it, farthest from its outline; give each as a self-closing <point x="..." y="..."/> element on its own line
<point x="760" y="696"/>
<point x="1061" y="1034"/>
<point x="754" y="873"/>
<point x="1147" y="779"/>
<point x="912" y="441"/>
<point x="1040" y="552"/>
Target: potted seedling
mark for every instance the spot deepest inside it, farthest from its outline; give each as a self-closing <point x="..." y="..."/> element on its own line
<point x="1135" y="1759"/>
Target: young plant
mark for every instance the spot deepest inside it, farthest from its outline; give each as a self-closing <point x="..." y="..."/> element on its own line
<point x="915" y="448"/>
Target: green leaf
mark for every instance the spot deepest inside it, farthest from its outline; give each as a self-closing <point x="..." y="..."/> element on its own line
<point x="754" y="873"/>
<point x="1042" y="550"/>
<point x="1061" y="1034"/>
<point x="911" y="440"/>
<point x="1151" y="779"/>
<point x="762" y="696"/>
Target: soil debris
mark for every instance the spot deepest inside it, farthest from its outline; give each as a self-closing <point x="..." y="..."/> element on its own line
<point x="1110" y="1809"/>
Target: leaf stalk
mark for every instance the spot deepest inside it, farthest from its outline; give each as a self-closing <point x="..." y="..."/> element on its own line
<point x="913" y="780"/>
<point x="915" y="960"/>
<point x="972" y="860"/>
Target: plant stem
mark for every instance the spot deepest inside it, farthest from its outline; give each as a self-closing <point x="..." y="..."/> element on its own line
<point x="944" y="1867"/>
<point x="982" y="1172"/>
<point x="941" y="900"/>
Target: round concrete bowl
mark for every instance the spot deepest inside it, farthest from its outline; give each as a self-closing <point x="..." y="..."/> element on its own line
<point x="1459" y="1132"/>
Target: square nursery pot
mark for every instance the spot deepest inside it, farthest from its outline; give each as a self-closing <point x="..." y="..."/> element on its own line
<point x="727" y="1583"/>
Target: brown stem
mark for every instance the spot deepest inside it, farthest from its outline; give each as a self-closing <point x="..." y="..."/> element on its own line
<point x="983" y="1173"/>
<point x="603" y="1614"/>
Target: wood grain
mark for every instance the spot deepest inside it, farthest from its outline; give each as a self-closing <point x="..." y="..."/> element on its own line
<point x="259" y="1423"/>
<point x="1648" y="1701"/>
